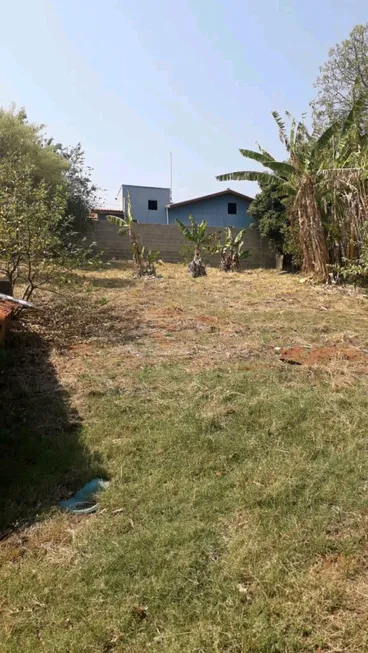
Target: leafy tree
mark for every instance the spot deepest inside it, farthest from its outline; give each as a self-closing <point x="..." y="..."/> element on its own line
<point x="42" y="190"/>
<point x="26" y="140"/>
<point x="197" y="234"/>
<point x="317" y="177"/>
<point x="51" y="162"/>
<point x="269" y="213"/>
<point x="33" y="249"/>
<point x="342" y="79"/>
<point x="81" y="191"/>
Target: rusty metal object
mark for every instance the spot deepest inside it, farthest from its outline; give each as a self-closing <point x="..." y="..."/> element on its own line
<point x="8" y="305"/>
<point x="6" y="312"/>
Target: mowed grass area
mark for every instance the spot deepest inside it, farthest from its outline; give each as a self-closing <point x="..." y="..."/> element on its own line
<point x="236" y="519"/>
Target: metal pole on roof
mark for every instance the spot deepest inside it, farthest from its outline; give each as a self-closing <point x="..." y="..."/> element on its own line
<point x="170" y="158"/>
<point x="122" y="197"/>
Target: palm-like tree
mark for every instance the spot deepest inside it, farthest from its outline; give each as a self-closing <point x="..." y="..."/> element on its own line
<point x="144" y="261"/>
<point x="302" y="177"/>
<point x="125" y="225"/>
<point x="343" y="188"/>
<point x="197" y="234"/>
<point x="231" y="250"/>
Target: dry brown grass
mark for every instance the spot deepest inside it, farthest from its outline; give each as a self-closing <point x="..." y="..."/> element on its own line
<point x="221" y="319"/>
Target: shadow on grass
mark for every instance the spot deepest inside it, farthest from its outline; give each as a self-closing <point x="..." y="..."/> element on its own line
<point x="43" y="458"/>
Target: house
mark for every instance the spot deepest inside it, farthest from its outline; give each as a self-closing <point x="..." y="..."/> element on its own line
<point x="152" y="205"/>
<point x="222" y="209"/>
<point x="156" y="226"/>
<point x="149" y="204"/>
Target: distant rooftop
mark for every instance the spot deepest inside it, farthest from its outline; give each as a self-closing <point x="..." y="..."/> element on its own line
<point x="140" y="186"/>
<point x="106" y="209"/>
<point x="208" y="197"/>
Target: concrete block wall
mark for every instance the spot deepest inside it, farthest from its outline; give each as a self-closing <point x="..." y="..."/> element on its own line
<point x="169" y="240"/>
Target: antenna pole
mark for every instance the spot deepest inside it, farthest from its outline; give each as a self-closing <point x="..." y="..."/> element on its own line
<point x="117" y="195"/>
<point x="170" y="158"/>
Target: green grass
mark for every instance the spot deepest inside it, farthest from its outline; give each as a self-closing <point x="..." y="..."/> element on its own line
<point x="236" y="517"/>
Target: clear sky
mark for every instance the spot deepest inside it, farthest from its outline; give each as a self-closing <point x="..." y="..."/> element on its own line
<point x="134" y="80"/>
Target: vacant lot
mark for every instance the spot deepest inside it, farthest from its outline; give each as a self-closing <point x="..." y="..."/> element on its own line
<point x="236" y="519"/>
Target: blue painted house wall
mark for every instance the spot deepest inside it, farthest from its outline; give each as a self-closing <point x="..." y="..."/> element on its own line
<point x="214" y="210"/>
<point x="140" y="195"/>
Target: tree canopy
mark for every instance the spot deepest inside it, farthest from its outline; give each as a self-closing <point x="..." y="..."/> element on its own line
<point x="324" y="178"/>
<point x="50" y="162"/>
<point x="43" y="191"/>
<point x="22" y="139"/>
<point x="343" y="78"/>
<point x="269" y="213"/>
<point x="81" y="191"/>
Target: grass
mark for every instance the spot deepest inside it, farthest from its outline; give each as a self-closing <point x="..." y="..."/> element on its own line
<point x="236" y="518"/>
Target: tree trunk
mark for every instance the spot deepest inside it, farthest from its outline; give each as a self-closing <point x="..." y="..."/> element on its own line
<point x="225" y="263"/>
<point x="318" y="239"/>
<point x="312" y="238"/>
<point x="279" y="262"/>
<point x="196" y="267"/>
<point x="235" y="262"/>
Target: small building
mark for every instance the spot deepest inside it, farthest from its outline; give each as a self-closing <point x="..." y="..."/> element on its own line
<point x="152" y="205"/>
<point x="222" y="209"/>
<point x="149" y="204"/>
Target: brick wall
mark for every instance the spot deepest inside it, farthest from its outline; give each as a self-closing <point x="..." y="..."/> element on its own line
<point x="169" y="240"/>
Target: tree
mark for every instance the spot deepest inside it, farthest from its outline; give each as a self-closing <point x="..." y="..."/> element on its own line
<point x="81" y="191"/>
<point x="51" y="162"/>
<point x="269" y="213"/>
<point x="143" y="260"/>
<point x="319" y="172"/>
<point x="197" y="235"/>
<point x="343" y="188"/>
<point x="33" y="248"/>
<point x="41" y="185"/>
<point x="26" y="141"/>
<point x="231" y="250"/>
<point x="342" y="79"/>
<point x="298" y="179"/>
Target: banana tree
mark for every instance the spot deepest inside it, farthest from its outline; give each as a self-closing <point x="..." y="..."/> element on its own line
<point x="197" y="234"/>
<point x="149" y="259"/>
<point x="343" y="188"/>
<point x="143" y="261"/>
<point x="300" y="177"/>
<point x="231" y="251"/>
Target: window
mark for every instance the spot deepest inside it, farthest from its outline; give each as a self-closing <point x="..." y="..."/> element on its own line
<point x="152" y="205"/>
<point x="231" y="208"/>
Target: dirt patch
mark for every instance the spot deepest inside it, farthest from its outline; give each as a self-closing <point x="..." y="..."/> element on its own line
<point x="207" y="319"/>
<point x="323" y="356"/>
<point x="173" y="311"/>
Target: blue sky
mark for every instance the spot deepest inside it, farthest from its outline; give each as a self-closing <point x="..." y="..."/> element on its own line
<point x="135" y="80"/>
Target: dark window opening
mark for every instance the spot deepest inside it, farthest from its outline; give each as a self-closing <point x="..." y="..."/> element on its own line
<point x="231" y="208"/>
<point x="152" y="205"/>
